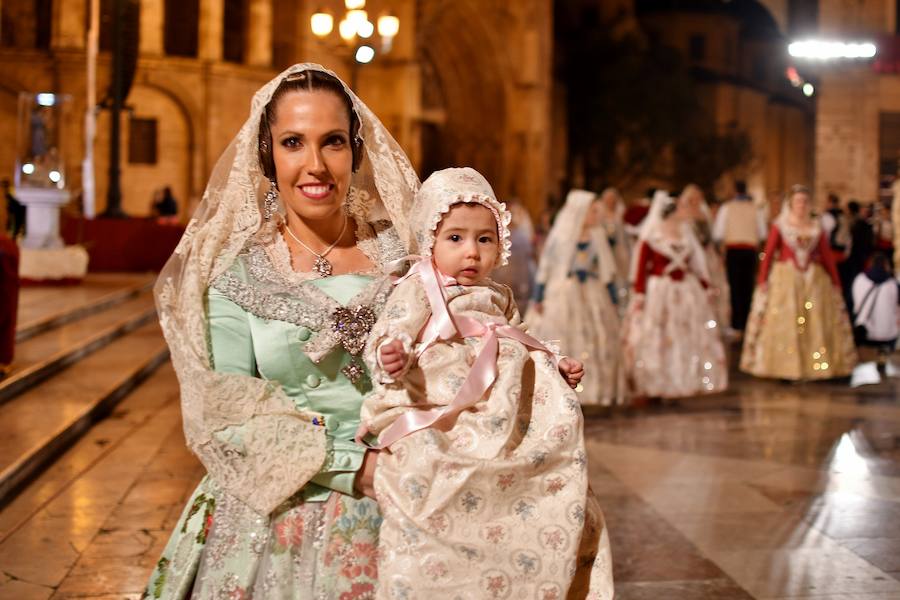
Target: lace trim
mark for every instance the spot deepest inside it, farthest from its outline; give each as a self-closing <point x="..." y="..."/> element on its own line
<point x="303" y="304"/>
<point x="801" y="245"/>
<point x="379" y="241"/>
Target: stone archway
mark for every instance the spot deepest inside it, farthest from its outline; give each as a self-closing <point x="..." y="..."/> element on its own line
<point x="486" y="82"/>
<point x="466" y="87"/>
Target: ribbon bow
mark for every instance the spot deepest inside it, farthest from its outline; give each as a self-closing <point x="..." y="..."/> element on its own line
<point x="443" y="326"/>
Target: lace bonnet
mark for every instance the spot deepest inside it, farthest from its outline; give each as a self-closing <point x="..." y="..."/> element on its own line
<point x="452" y="186"/>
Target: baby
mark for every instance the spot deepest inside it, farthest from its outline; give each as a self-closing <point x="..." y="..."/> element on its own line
<point x="484" y="490"/>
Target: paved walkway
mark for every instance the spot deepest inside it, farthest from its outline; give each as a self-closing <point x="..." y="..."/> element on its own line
<point x="770" y="491"/>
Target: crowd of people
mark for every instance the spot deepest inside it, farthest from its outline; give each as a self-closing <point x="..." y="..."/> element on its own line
<point x="652" y="296"/>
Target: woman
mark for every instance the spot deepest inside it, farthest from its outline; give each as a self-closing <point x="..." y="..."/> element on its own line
<point x="798" y="327"/>
<point x="266" y="309"/>
<point x="574" y="281"/>
<point x="672" y="347"/>
<point x="610" y="219"/>
<point x="701" y="220"/>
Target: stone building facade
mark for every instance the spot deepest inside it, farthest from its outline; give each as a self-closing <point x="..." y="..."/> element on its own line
<point x="737" y="55"/>
<point x="466" y="82"/>
<point x="858" y="118"/>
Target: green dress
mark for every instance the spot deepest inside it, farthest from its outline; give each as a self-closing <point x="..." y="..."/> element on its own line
<point x="321" y="542"/>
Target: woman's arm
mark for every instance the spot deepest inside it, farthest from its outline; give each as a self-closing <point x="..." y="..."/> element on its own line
<point x="231" y="349"/>
<point x="768" y="255"/>
<point x="640" y="276"/>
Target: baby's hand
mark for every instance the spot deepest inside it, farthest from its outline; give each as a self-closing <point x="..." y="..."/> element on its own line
<point x="393" y="358"/>
<point x="571" y="370"/>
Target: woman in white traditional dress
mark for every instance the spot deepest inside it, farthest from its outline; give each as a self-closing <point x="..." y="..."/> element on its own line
<point x="573" y="298"/>
<point x="701" y="220"/>
<point x="611" y="220"/>
<point x="798" y="327"/>
<point x="672" y="347"/>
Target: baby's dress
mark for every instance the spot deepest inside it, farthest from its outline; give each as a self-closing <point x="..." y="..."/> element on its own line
<point x="499" y="502"/>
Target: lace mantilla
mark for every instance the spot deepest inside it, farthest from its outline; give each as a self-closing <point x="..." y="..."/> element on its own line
<point x="282" y="447"/>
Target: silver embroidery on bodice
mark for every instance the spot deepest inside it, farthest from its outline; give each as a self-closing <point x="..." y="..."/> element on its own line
<point x="270" y="294"/>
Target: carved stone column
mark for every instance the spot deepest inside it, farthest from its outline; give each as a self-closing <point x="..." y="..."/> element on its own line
<point x="259" y="33"/>
<point x="152" y="26"/>
<point x="211" y="24"/>
<point x="69" y="19"/>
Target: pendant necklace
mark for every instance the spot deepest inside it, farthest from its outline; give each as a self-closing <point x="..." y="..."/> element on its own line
<point x="321" y="266"/>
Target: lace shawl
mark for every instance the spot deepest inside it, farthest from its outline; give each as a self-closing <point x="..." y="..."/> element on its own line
<point x="282" y="448"/>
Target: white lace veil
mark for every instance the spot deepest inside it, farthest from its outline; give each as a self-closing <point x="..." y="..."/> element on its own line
<point x="559" y="249"/>
<point x="649" y="230"/>
<point x="280" y="448"/>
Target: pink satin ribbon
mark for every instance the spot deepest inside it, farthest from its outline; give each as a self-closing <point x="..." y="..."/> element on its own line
<point x="443" y="326"/>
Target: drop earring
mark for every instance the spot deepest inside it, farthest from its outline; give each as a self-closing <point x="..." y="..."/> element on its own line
<point x="270" y="205"/>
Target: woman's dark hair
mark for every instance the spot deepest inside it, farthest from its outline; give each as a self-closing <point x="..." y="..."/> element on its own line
<point x="799" y="188"/>
<point x="305" y="81"/>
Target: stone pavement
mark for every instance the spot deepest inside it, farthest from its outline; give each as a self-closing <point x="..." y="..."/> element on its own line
<point x="770" y="491"/>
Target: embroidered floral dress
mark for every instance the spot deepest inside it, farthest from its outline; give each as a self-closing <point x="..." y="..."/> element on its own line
<point x="798" y="326"/>
<point x="497" y="506"/>
<point x="269" y="322"/>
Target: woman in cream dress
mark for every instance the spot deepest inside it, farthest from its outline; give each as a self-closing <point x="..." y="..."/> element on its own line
<point x="798" y="327"/>
<point x="701" y="220"/>
<point x="573" y="298"/>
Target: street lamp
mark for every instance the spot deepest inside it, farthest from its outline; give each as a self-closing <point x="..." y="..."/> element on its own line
<point x="355" y="24"/>
<point x="831" y="49"/>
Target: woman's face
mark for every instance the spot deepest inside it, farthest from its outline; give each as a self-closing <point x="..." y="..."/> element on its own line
<point x="610" y="199"/>
<point x="594" y="214"/>
<point x="800" y="205"/>
<point x="312" y="153"/>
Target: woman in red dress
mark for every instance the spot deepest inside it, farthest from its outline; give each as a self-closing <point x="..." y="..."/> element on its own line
<point x="671" y="337"/>
<point x="798" y="327"/>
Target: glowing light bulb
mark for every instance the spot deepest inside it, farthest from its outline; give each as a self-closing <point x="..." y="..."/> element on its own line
<point x="357" y="17"/>
<point x="388" y="25"/>
<point x="365" y="30"/>
<point x="347" y="29"/>
<point x="28" y="168"/>
<point x="354" y="4"/>
<point x="365" y="54"/>
<point x="321" y="23"/>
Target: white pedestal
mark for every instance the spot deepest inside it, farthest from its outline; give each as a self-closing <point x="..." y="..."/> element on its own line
<point x="42" y="216"/>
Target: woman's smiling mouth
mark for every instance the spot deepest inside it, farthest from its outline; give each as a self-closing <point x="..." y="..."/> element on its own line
<point x="316" y="191"/>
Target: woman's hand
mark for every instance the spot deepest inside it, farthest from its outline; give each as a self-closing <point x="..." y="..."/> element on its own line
<point x="393" y="358"/>
<point x="365" y="477"/>
<point x="572" y="371"/>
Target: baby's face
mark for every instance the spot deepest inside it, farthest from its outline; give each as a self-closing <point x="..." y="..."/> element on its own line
<point x="466" y="245"/>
